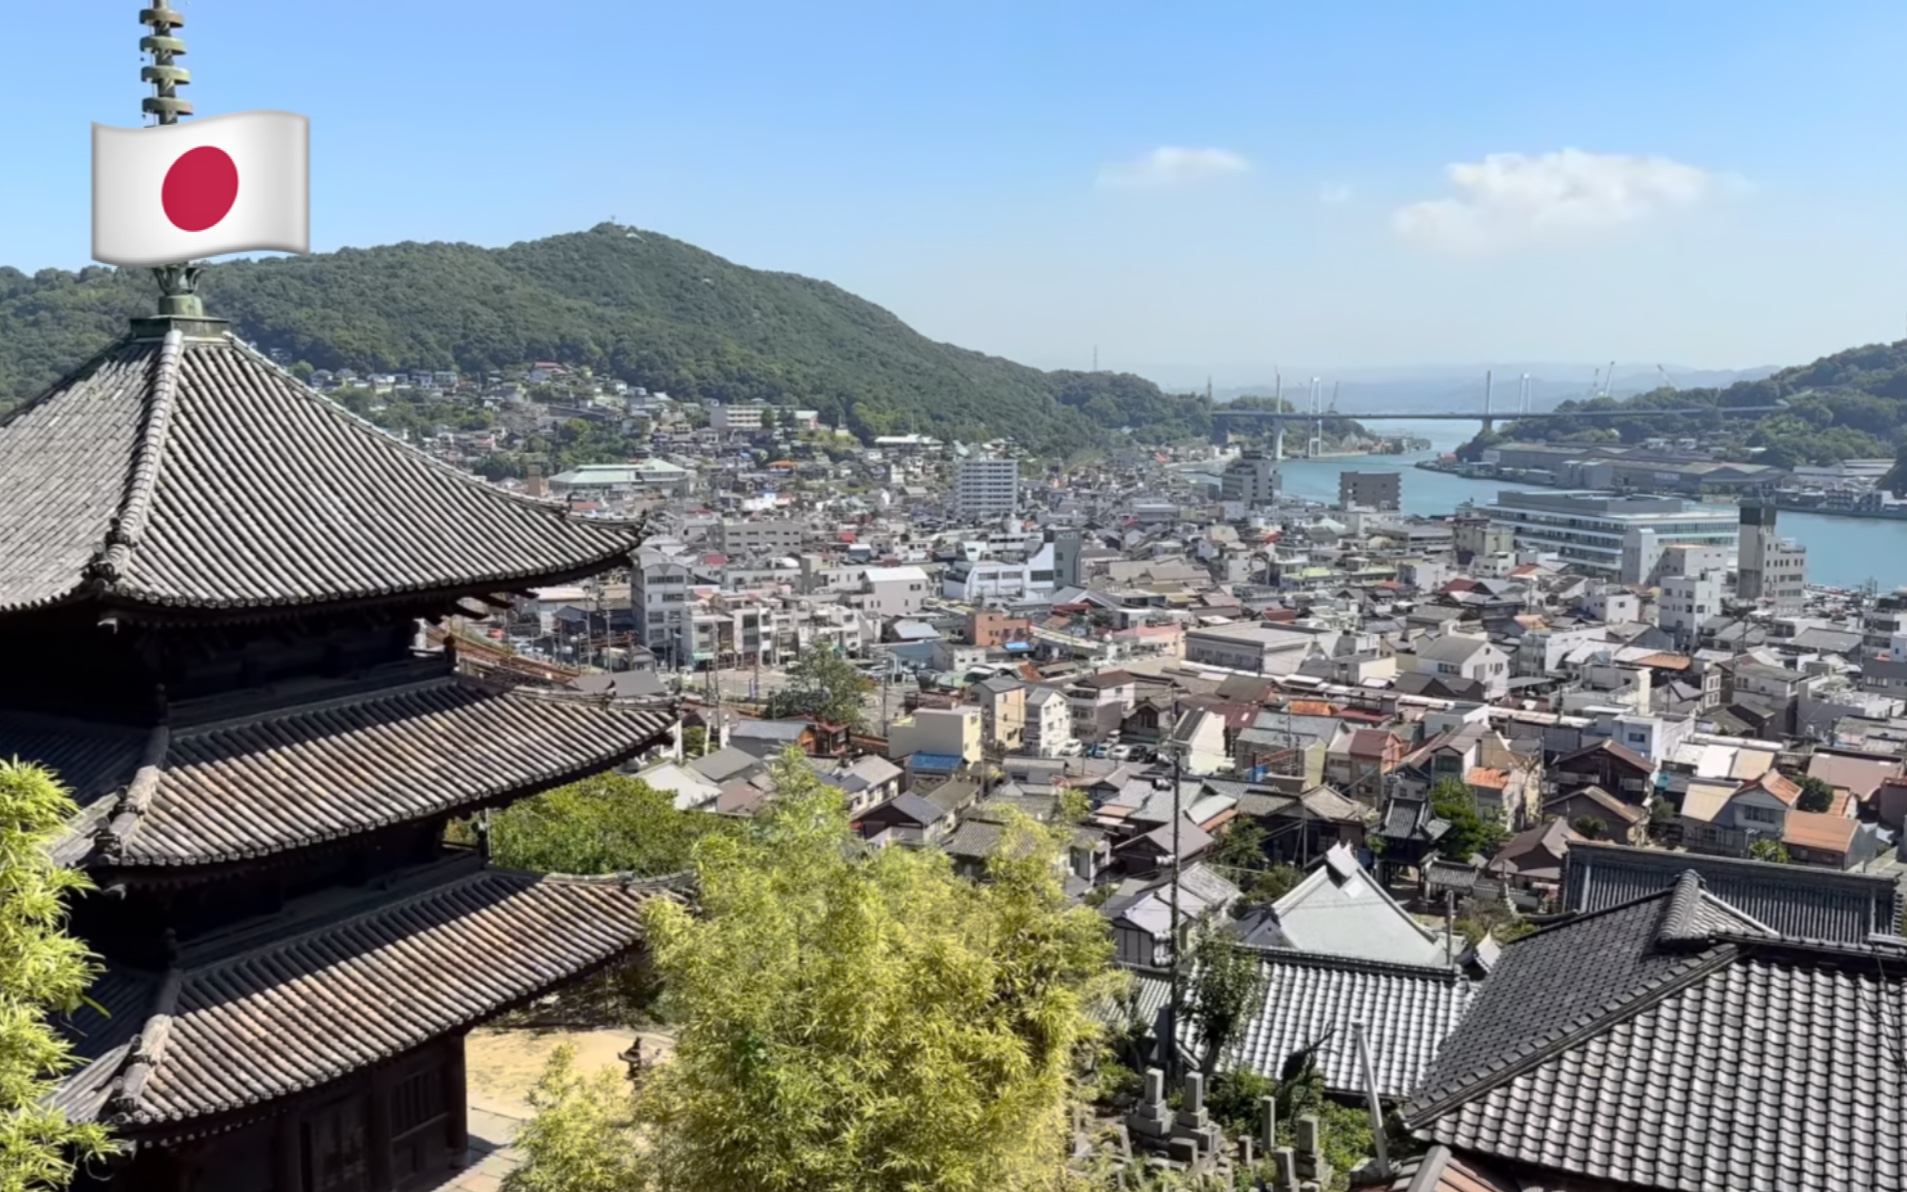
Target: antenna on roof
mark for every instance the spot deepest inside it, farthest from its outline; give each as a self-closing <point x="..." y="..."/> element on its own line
<point x="178" y="283"/>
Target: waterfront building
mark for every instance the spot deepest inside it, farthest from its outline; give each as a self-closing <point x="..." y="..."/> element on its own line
<point x="1772" y="568"/>
<point x="1617" y="537"/>
<point x="1252" y="478"/>
<point x="1383" y="491"/>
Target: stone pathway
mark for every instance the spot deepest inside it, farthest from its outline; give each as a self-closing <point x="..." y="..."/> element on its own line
<point x="490" y="1158"/>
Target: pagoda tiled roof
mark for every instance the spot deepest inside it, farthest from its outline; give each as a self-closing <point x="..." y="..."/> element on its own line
<point x="269" y="782"/>
<point x="190" y="472"/>
<point x="256" y="1014"/>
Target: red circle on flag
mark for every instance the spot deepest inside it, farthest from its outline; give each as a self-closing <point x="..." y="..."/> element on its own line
<point x="200" y="188"/>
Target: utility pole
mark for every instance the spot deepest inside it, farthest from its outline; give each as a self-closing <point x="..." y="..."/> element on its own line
<point x="1172" y="1019"/>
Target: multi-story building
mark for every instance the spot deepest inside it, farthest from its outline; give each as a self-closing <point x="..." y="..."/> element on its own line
<point x="1687" y="601"/>
<point x="978" y="581"/>
<point x="986" y="487"/>
<point x="754" y="538"/>
<point x="659" y="599"/>
<point x="1251" y="478"/>
<point x="1371" y="490"/>
<point x="1616" y="537"/>
<point x="1883" y="622"/>
<point x="892" y="591"/>
<point x="736" y="418"/>
<point x="1772" y="568"/>
<point x="1049" y="723"/>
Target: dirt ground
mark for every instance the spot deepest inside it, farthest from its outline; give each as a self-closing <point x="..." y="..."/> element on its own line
<point x="503" y="1065"/>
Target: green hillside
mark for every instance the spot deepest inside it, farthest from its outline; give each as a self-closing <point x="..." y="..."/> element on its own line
<point x="1851" y="405"/>
<point x="633" y="304"/>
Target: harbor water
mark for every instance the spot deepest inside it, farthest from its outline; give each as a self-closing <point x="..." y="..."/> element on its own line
<point x="1843" y="552"/>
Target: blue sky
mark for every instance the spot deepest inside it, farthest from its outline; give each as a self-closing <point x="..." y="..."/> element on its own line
<point x="1205" y="188"/>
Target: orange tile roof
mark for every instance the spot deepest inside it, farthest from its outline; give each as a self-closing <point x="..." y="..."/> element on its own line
<point x="1492" y="780"/>
<point x="1819" y="830"/>
<point x="1309" y="707"/>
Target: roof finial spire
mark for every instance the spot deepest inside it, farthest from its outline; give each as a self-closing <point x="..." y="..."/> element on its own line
<point x="178" y="284"/>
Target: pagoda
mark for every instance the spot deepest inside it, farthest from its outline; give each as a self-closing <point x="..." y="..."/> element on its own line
<point x="212" y="585"/>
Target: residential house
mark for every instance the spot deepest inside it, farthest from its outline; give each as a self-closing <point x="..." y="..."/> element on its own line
<point x="1615" y="768"/>
<point x="1359" y="760"/>
<point x="938" y="732"/>
<point x="907" y="819"/>
<point x="1533" y="858"/>
<point x="1463" y="657"/>
<point x="1002" y="703"/>
<point x="1049" y="723"/>
<point x="1584" y="806"/>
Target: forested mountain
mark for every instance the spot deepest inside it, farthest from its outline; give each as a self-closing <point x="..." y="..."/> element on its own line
<point x="1851" y="405"/>
<point x="638" y="306"/>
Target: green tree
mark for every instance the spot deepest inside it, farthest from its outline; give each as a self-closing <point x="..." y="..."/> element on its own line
<point x="612" y="823"/>
<point x="1227" y="988"/>
<point x="1816" y="795"/>
<point x="42" y="970"/>
<point x="1470" y="833"/>
<point x="1768" y="848"/>
<point x="823" y="684"/>
<point x="1590" y="827"/>
<point x="852" y="1021"/>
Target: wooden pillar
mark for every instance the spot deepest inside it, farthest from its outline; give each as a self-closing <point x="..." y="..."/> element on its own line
<point x="287" y="1156"/>
<point x="456" y="1100"/>
<point x="377" y="1126"/>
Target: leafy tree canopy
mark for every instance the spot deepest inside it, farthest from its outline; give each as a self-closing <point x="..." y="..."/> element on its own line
<point x="609" y="824"/>
<point x="1816" y="795"/>
<point x="42" y="971"/>
<point x="847" y="1021"/>
<point x="1470" y="834"/>
<point x="823" y="684"/>
<point x="633" y="305"/>
<point x="1851" y="405"/>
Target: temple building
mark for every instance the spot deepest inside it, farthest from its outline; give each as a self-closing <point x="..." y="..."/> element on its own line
<point x="212" y="586"/>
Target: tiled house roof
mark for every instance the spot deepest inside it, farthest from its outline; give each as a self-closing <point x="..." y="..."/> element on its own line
<point x="1408" y="1012"/>
<point x="1675" y="1043"/>
<point x="1804" y="901"/>
<point x="193" y="473"/>
<point x="275" y="781"/>
<point x="248" y="1017"/>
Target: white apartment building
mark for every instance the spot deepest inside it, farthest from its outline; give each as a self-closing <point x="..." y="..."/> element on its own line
<point x="982" y="581"/>
<point x="1687" y="601"/>
<point x="660" y="600"/>
<point x="741" y="417"/>
<point x="1049" y="723"/>
<point x="892" y="591"/>
<point x="986" y="487"/>
<point x="1616" y="537"/>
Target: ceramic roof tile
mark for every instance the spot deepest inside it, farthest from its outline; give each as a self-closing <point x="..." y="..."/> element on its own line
<point x="192" y="472"/>
<point x="281" y="780"/>
<point x="1763" y="1062"/>
<point x="340" y="996"/>
<point x="1803" y="901"/>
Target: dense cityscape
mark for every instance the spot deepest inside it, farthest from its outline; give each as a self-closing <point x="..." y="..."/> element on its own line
<point x="582" y="714"/>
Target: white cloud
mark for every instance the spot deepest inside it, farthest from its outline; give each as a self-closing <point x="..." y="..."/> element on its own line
<point x="1334" y="194"/>
<point x="1172" y="165"/>
<point x="1513" y="197"/>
